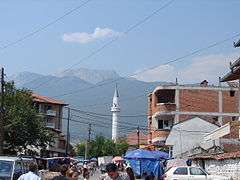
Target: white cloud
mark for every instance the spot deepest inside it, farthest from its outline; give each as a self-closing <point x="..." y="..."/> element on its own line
<point x="83" y="37"/>
<point x="203" y="67"/>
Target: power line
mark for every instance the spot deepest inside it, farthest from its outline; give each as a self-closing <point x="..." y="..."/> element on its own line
<point x="153" y="67"/>
<point x="113" y="40"/>
<point x="106" y="115"/>
<point x="120" y="124"/>
<point x="105" y="118"/>
<point x="99" y="125"/>
<point x="44" y="26"/>
<point x="109" y="102"/>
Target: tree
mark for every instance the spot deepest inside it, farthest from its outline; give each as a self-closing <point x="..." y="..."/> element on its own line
<point x="23" y="126"/>
<point x="121" y="147"/>
<point x="109" y="148"/>
<point x="102" y="146"/>
<point x="80" y="149"/>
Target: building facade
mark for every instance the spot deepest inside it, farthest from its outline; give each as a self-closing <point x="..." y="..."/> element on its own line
<point x="225" y="164"/>
<point x="52" y="112"/>
<point x="171" y="104"/>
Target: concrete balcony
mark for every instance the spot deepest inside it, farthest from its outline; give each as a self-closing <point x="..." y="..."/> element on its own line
<point x="164" y="107"/>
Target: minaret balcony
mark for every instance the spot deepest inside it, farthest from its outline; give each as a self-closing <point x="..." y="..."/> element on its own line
<point x="115" y="109"/>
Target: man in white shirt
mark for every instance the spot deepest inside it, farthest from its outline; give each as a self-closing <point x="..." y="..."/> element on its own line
<point x="31" y="175"/>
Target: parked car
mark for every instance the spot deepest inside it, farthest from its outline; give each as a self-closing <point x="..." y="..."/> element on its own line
<point x="12" y="167"/>
<point x="190" y="173"/>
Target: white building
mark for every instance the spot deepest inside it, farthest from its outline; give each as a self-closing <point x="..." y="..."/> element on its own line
<point x="188" y="135"/>
<point x="115" y="114"/>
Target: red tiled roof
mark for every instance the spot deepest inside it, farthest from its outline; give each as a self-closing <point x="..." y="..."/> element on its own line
<point x="45" y="99"/>
<point x="222" y="156"/>
<point x="132" y="138"/>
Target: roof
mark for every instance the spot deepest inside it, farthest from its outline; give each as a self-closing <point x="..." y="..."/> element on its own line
<point x="9" y="158"/>
<point x="194" y="119"/>
<point x="222" y="156"/>
<point x="231" y="76"/>
<point x="237" y="44"/>
<point x="45" y="99"/>
<point x="132" y="138"/>
<point x="234" y="74"/>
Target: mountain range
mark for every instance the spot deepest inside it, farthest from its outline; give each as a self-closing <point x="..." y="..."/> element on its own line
<point x="92" y="91"/>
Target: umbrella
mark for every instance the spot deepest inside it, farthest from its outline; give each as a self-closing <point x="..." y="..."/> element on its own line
<point x="140" y="154"/>
<point x="93" y="159"/>
<point x="145" y="161"/>
<point x="117" y="158"/>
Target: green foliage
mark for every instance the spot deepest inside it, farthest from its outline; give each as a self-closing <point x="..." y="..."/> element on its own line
<point x="102" y="146"/>
<point x="22" y="124"/>
<point x="80" y="149"/>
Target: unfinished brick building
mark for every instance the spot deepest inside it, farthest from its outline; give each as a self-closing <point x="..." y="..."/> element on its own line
<point x="170" y="104"/>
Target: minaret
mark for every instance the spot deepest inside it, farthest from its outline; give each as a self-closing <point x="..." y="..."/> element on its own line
<point x="115" y="112"/>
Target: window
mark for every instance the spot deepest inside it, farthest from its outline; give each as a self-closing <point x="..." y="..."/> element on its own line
<point x="181" y="171"/>
<point x="165" y="96"/>
<point x="160" y="124"/>
<point x="164" y="124"/>
<point x="170" y="151"/>
<point x="196" y="171"/>
<point x="49" y="107"/>
<point x="18" y="166"/>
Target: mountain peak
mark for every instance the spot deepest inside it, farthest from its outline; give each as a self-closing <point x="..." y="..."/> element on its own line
<point x="90" y="75"/>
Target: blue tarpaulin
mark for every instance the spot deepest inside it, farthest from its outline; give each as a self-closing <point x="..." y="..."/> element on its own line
<point x="160" y="154"/>
<point x="148" y="162"/>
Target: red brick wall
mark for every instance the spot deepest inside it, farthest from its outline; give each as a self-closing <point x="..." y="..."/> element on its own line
<point x="198" y="100"/>
<point x="230" y="104"/>
<point x="206" y="101"/>
<point x="160" y="133"/>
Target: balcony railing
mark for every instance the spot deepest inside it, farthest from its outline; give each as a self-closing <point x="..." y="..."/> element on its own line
<point x="50" y="124"/>
<point x="51" y="113"/>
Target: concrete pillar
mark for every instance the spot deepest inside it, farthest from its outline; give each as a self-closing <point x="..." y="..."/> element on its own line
<point x="239" y="99"/>
<point x="176" y="119"/>
<point x="220" y="106"/>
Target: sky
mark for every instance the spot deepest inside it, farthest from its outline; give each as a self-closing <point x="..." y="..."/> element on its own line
<point x="178" y="29"/>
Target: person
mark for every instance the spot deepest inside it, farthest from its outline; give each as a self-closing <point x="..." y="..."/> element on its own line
<point x="113" y="173"/>
<point x="130" y="173"/>
<point x="86" y="174"/>
<point x="32" y="174"/>
<point x="63" y="171"/>
<point x="75" y="175"/>
<point x="72" y="175"/>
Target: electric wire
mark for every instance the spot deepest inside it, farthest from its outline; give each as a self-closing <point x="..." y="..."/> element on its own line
<point x="93" y="53"/>
<point x="197" y="51"/>
<point x="40" y="29"/>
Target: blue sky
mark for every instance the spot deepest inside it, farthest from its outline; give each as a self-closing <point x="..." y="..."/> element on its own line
<point x="183" y="26"/>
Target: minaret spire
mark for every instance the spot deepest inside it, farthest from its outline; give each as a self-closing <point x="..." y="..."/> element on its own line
<point x="115" y="113"/>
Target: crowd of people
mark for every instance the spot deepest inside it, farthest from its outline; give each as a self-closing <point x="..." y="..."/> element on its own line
<point x="74" y="172"/>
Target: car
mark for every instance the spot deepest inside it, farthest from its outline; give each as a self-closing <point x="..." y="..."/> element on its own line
<point x="190" y="173"/>
<point x="12" y="167"/>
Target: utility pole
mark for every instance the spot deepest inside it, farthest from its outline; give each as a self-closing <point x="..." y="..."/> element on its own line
<point x="68" y="133"/>
<point x="2" y="113"/>
<point x="138" y="138"/>
<point x="88" y="140"/>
